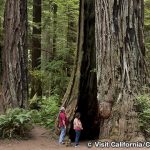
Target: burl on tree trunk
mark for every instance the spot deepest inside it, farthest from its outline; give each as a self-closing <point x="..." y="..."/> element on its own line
<point x="121" y="69"/>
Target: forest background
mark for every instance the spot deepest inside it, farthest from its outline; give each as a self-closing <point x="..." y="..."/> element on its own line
<point x="52" y="44"/>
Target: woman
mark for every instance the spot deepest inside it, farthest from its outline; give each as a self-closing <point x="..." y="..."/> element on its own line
<point x="77" y="127"/>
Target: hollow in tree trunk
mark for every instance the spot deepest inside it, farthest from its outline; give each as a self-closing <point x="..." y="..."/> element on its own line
<point x="81" y="95"/>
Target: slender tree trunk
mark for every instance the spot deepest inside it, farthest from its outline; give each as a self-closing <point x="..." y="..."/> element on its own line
<point x="120" y="66"/>
<point x="36" y="46"/>
<point x="1" y="109"/>
<point x="81" y="93"/>
<point x="47" y="54"/>
<point x="54" y="30"/>
<point x="14" y="55"/>
<point x="1" y="40"/>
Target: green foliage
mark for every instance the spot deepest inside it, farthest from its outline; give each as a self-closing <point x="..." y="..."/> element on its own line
<point x="57" y="57"/>
<point x="144" y="112"/>
<point x="36" y="74"/>
<point x="34" y="102"/>
<point x="16" y="122"/>
<point x="53" y="77"/>
<point x="49" y="111"/>
<point x="47" y="114"/>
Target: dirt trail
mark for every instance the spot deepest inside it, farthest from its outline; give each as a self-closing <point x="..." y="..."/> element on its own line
<point x="41" y="140"/>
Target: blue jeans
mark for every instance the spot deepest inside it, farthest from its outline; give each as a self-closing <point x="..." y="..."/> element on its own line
<point x="77" y="136"/>
<point x="62" y="134"/>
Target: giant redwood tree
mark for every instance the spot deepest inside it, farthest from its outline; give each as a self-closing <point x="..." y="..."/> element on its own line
<point x="121" y="70"/>
<point x="108" y="75"/>
<point x="81" y="94"/>
<point x="14" y="54"/>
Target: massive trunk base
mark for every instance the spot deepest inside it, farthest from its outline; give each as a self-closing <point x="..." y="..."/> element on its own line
<point x="81" y="94"/>
<point x="121" y="70"/>
<point x="108" y="103"/>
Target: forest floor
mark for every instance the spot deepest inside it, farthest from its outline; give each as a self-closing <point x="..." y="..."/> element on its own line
<point x="42" y="140"/>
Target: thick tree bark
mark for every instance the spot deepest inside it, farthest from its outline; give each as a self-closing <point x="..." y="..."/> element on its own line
<point x="1" y="41"/>
<point x="36" y="46"/>
<point x="120" y="66"/>
<point x="81" y="93"/>
<point x="1" y="108"/>
<point x="14" y="55"/>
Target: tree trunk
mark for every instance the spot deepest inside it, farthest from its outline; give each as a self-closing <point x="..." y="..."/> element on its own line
<point x="1" y="41"/>
<point x="36" y="47"/>
<point x="121" y="70"/>
<point x="14" y="55"/>
<point x="54" y="30"/>
<point x="81" y="93"/>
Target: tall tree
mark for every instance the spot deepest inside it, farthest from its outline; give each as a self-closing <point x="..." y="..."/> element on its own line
<point x="54" y="29"/>
<point x="0" y="50"/>
<point x="108" y="104"/>
<point x="1" y="45"/>
<point x="14" y="55"/>
<point x="1" y="36"/>
<point x="81" y="93"/>
<point x="36" y="46"/>
<point x="121" y="70"/>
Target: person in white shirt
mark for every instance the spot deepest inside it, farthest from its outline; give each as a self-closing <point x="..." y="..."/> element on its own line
<point x="77" y="125"/>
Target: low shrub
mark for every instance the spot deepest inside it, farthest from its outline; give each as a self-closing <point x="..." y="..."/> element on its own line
<point x="49" y="111"/>
<point x="144" y="113"/>
<point x="15" y="123"/>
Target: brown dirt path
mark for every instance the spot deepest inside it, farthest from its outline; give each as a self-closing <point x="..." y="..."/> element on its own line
<point x="41" y="140"/>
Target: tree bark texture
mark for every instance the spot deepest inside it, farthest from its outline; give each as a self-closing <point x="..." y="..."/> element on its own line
<point x="1" y="101"/>
<point x="121" y="67"/>
<point x="1" y="45"/>
<point x="14" y="55"/>
<point x="36" y="46"/>
<point x="1" y="42"/>
<point x="81" y="94"/>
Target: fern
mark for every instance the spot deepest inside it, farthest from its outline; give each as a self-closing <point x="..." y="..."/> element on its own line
<point x="144" y="112"/>
<point x="16" y="122"/>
